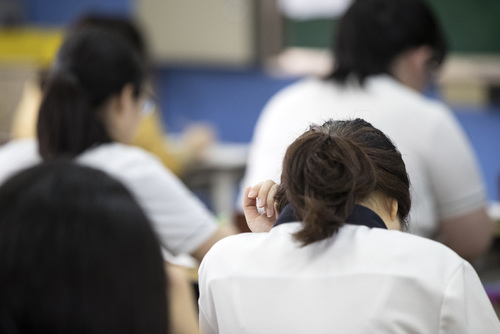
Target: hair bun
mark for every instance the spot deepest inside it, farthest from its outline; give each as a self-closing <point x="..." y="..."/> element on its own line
<point x="325" y="175"/>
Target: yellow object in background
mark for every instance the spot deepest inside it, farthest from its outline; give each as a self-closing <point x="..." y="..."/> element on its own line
<point x="29" y="45"/>
<point x="150" y="136"/>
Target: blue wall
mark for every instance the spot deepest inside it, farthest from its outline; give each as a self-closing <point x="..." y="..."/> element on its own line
<point x="229" y="99"/>
<point x="483" y="128"/>
<point x="61" y="12"/>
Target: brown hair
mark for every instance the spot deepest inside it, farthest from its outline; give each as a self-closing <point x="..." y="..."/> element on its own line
<point x="331" y="167"/>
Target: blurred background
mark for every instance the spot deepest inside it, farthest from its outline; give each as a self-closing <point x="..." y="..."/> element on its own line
<point x="219" y="61"/>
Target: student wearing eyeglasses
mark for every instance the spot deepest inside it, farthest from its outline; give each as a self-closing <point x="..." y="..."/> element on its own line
<point x="94" y="99"/>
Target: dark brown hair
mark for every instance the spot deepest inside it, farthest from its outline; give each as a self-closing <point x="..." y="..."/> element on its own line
<point x="331" y="167"/>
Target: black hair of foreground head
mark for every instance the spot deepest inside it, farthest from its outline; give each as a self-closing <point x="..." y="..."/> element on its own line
<point x="77" y="255"/>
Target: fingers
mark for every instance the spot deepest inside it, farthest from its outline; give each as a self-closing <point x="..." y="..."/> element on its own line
<point x="254" y="191"/>
<point x="260" y="196"/>
<point x="264" y="193"/>
<point x="249" y="206"/>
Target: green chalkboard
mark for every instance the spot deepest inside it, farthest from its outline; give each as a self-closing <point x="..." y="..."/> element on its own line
<point x="472" y="26"/>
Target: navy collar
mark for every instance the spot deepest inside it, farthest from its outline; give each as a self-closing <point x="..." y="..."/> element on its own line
<point x="360" y="215"/>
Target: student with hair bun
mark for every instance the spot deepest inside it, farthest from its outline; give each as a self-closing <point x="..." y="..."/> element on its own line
<point x="386" y="52"/>
<point x="92" y="104"/>
<point x="336" y="260"/>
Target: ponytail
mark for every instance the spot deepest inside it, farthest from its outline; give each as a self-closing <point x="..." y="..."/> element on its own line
<point x="324" y="176"/>
<point x="92" y="66"/>
<point x="66" y="126"/>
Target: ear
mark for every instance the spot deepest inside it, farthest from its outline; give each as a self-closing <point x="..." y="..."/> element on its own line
<point x="419" y="56"/>
<point x="393" y="208"/>
<point x="125" y="98"/>
<point x="411" y="67"/>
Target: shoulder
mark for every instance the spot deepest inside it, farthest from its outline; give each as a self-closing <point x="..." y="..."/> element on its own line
<point x="292" y="109"/>
<point x="17" y="155"/>
<point x="18" y="147"/>
<point x="181" y="220"/>
<point x="311" y="86"/>
<point x="230" y="251"/>
<point x="236" y="244"/>
<point x="405" y="97"/>
<point x="407" y="243"/>
<point x="117" y="153"/>
<point x="254" y="251"/>
<point x="121" y="159"/>
<point x="409" y="253"/>
<point x="298" y="93"/>
<point x="141" y="171"/>
<point x="397" y="105"/>
<point x="421" y="243"/>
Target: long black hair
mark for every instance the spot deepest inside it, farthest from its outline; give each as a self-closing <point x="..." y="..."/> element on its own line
<point x="122" y="26"/>
<point x="77" y="255"/>
<point x="92" y="65"/>
<point x="372" y="33"/>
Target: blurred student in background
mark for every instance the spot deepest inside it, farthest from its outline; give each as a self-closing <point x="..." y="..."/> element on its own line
<point x="385" y="53"/>
<point x="93" y="102"/>
<point x="78" y="254"/>
<point x="335" y="260"/>
<point x="150" y="134"/>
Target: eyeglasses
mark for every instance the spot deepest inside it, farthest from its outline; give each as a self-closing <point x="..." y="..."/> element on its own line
<point x="149" y="105"/>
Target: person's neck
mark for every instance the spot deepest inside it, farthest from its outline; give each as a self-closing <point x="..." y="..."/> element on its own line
<point x="409" y="69"/>
<point x="406" y="79"/>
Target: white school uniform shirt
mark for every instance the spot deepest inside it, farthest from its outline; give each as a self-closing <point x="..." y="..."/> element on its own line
<point x="361" y="280"/>
<point x="445" y="176"/>
<point x="180" y="220"/>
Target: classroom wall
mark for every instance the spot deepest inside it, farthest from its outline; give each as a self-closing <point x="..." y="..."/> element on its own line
<point x="233" y="99"/>
<point x="229" y="99"/>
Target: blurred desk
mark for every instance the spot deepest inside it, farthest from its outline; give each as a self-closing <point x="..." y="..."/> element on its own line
<point x="219" y="173"/>
<point x="470" y="79"/>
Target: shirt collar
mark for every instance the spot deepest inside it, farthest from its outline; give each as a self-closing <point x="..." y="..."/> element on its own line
<point x="360" y="215"/>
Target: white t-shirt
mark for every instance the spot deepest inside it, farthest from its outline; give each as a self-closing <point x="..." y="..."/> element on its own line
<point x="181" y="221"/>
<point x="444" y="173"/>
<point x="362" y="280"/>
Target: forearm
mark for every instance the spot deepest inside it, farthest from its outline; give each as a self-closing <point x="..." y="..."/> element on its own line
<point x="469" y="235"/>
